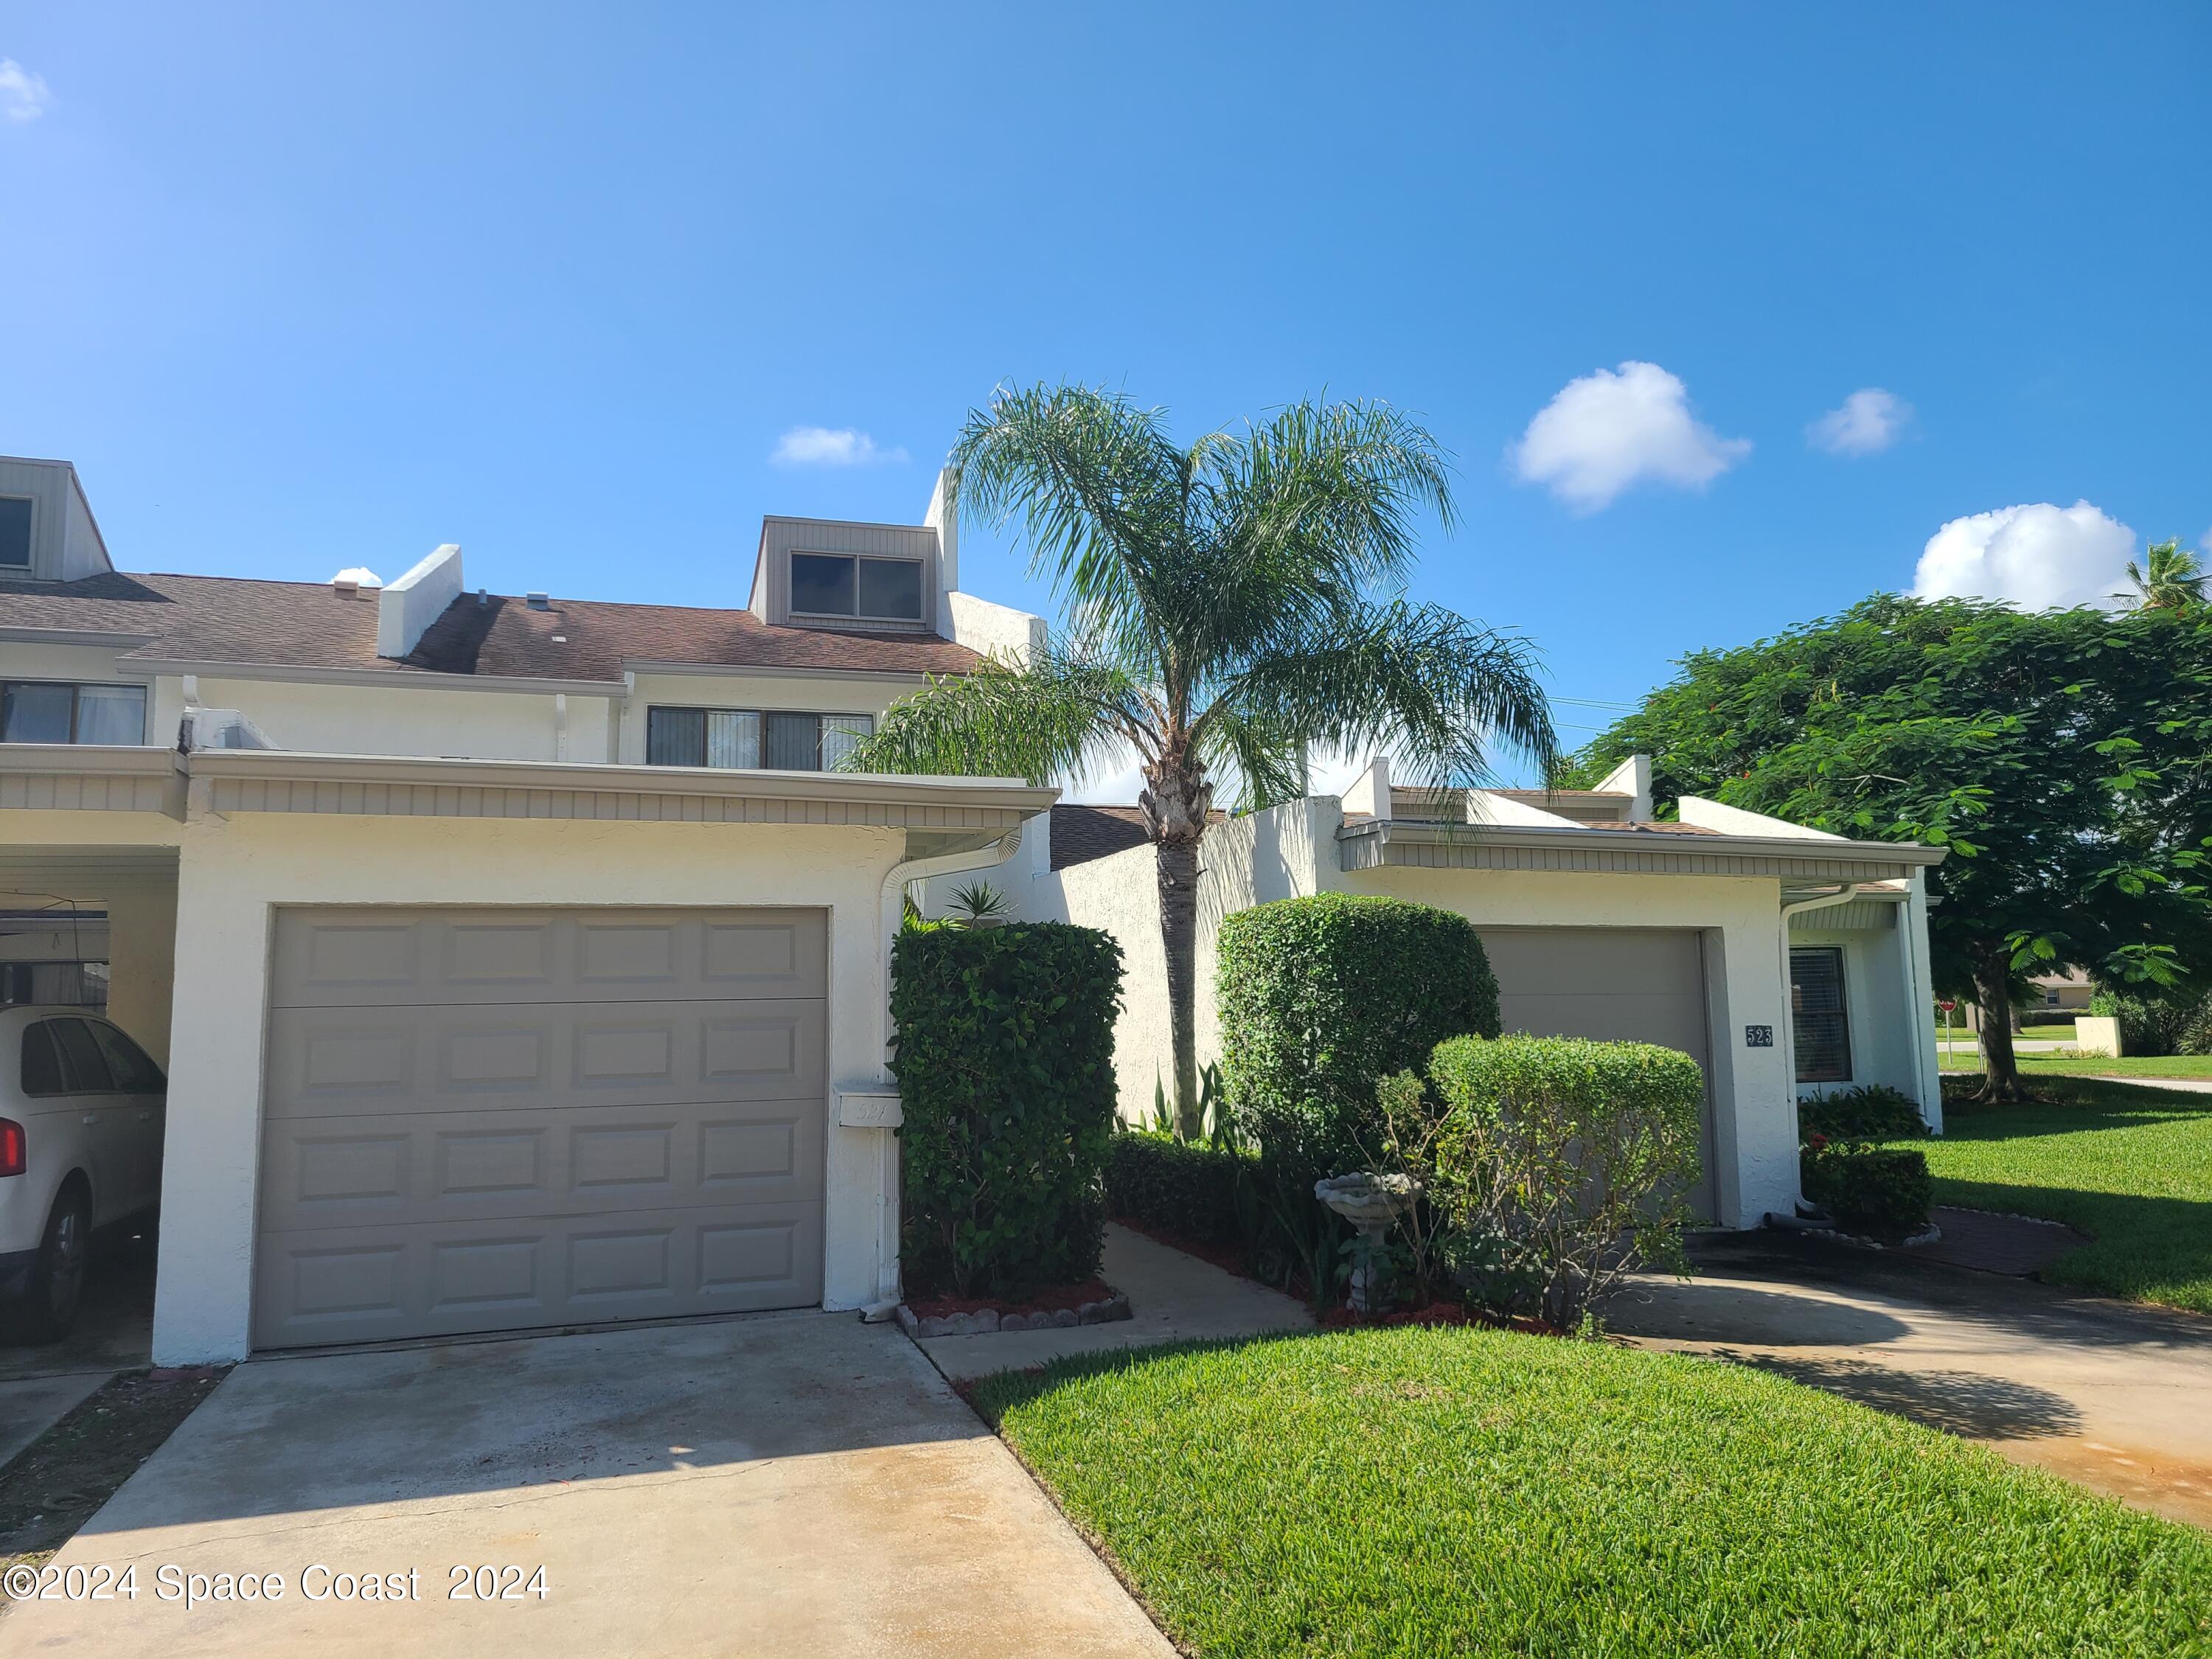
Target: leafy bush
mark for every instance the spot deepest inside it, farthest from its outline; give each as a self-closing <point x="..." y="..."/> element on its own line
<point x="2178" y="1022"/>
<point x="1566" y="1162"/>
<point x="1188" y="1188"/>
<point x="1882" y="1190"/>
<point x="1004" y="1060"/>
<point x="1873" y="1111"/>
<point x="1321" y="999"/>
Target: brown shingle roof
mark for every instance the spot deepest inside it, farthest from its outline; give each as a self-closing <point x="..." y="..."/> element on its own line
<point x="308" y="625"/>
<point x="1080" y="834"/>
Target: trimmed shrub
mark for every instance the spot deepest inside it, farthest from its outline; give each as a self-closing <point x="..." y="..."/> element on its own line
<point x="1004" y="1060"/>
<point x="1321" y="999"/>
<point x="1566" y="1161"/>
<point x="1882" y="1190"/>
<point x="2177" y="1022"/>
<point x="1873" y="1111"/>
<point x="1188" y="1188"/>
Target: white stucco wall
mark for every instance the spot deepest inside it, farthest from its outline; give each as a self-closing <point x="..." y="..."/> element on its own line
<point x="374" y="720"/>
<point x="1874" y="1007"/>
<point x="141" y="977"/>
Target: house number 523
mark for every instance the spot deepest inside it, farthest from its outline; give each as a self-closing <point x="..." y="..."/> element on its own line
<point x="1759" y="1036"/>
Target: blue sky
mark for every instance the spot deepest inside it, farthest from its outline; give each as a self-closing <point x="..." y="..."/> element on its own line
<point x="300" y="288"/>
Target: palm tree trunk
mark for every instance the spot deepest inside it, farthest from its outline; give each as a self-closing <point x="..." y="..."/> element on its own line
<point x="1174" y="801"/>
<point x="1177" y="862"/>
<point x="1993" y="995"/>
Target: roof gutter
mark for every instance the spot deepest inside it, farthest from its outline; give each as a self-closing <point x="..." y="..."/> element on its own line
<point x="1645" y="841"/>
<point x="398" y="677"/>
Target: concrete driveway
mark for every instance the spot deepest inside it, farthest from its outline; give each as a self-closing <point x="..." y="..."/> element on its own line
<point x="791" y="1485"/>
<point x="2105" y="1392"/>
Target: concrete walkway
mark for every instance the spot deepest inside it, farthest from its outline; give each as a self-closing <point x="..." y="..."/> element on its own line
<point x="2187" y="1085"/>
<point x="2106" y="1394"/>
<point x="41" y="1382"/>
<point x="1173" y="1298"/>
<point x="785" y="1484"/>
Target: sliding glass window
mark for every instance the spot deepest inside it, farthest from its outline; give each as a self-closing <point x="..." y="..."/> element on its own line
<point x="744" y="739"/>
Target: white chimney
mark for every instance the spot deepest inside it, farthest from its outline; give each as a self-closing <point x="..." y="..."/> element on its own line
<point x="418" y="599"/>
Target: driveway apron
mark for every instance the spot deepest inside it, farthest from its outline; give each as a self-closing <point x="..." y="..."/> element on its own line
<point x="786" y="1483"/>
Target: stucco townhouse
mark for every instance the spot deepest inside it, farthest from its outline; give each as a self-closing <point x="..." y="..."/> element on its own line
<point x="1786" y="960"/>
<point x="521" y="961"/>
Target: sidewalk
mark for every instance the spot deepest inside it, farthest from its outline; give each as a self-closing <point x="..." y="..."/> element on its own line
<point x="1174" y="1297"/>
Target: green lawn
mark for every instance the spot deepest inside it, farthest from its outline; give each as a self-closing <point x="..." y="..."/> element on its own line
<point x="1420" y="1492"/>
<point x="2130" y="1166"/>
<point x="2127" y="1066"/>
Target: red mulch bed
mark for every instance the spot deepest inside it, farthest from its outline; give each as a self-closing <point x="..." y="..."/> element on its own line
<point x="1051" y="1300"/>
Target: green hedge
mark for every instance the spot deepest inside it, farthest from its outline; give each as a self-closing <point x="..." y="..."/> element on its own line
<point x="1883" y="1190"/>
<point x="1873" y="1111"/>
<point x="1321" y="999"/>
<point x="1572" y="1158"/>
<point x="1158" y="1181"/>
<point x="1004" y="1060"/>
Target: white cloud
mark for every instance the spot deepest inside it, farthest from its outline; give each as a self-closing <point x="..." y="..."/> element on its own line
<point x="2032" y="557"/>
<point x="824" y="446"/>
<point x="23" y="96"/>
<point x="1870" y="421"/>
<point x="1607" y="431"/>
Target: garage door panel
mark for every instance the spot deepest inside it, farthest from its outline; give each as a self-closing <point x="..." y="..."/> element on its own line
<point x="1665" y="1017"/>
<point x="376" y="1283"/>
<point x="372" y="957"/>
<point x="1612" y="985"/>
<point x="1577" y="962"/>
<point x="412" y="1169"/>
<point x="326" y="1061"/>
<point x="499" y="1119"/>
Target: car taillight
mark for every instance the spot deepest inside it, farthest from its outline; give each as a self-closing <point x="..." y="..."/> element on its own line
<point x="12" y="1160"/>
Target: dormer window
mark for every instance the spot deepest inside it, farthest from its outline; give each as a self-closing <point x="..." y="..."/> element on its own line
<point x="15" y="533"/>
<point x="856" y="587"/>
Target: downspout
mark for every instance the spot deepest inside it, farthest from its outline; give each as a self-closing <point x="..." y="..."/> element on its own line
<point x="875" y="1104"/>
<point x="1843" y="894"/>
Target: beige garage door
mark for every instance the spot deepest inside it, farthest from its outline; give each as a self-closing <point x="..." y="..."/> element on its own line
<point x="1637" y="985"/>
<point x="489" y="1120"/>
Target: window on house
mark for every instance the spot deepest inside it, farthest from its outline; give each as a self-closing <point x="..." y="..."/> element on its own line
<point x="1818" y="1020"/>
<point x="54" y="711"/>
<point x="746" y="738"/>
<point x="848" y="585"/>
<point x="15" y="533"/>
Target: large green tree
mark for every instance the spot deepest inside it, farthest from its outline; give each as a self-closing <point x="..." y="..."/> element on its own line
<point x="2062" y="756"/>
<point x="1229" y="603"/>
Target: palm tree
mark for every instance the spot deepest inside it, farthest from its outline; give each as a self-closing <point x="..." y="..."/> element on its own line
<point x="2168" y="580"/>
<point x="1228" y="606"/>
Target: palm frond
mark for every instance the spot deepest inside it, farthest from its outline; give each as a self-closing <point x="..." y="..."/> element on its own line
<point x="1266" y="760"/>
<point x="1427" y="684"/>
<point x="1061" y="715"/>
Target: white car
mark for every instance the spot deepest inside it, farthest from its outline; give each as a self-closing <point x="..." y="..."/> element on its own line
<point x="82" y="1112"/>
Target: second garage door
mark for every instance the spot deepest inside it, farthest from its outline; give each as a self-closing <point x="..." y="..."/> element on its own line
<point x="493" y="1120"/>
<point x="1616" y="984"/>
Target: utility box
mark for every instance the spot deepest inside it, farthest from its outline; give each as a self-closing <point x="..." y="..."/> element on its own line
<point x="2097" y="1034"/>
